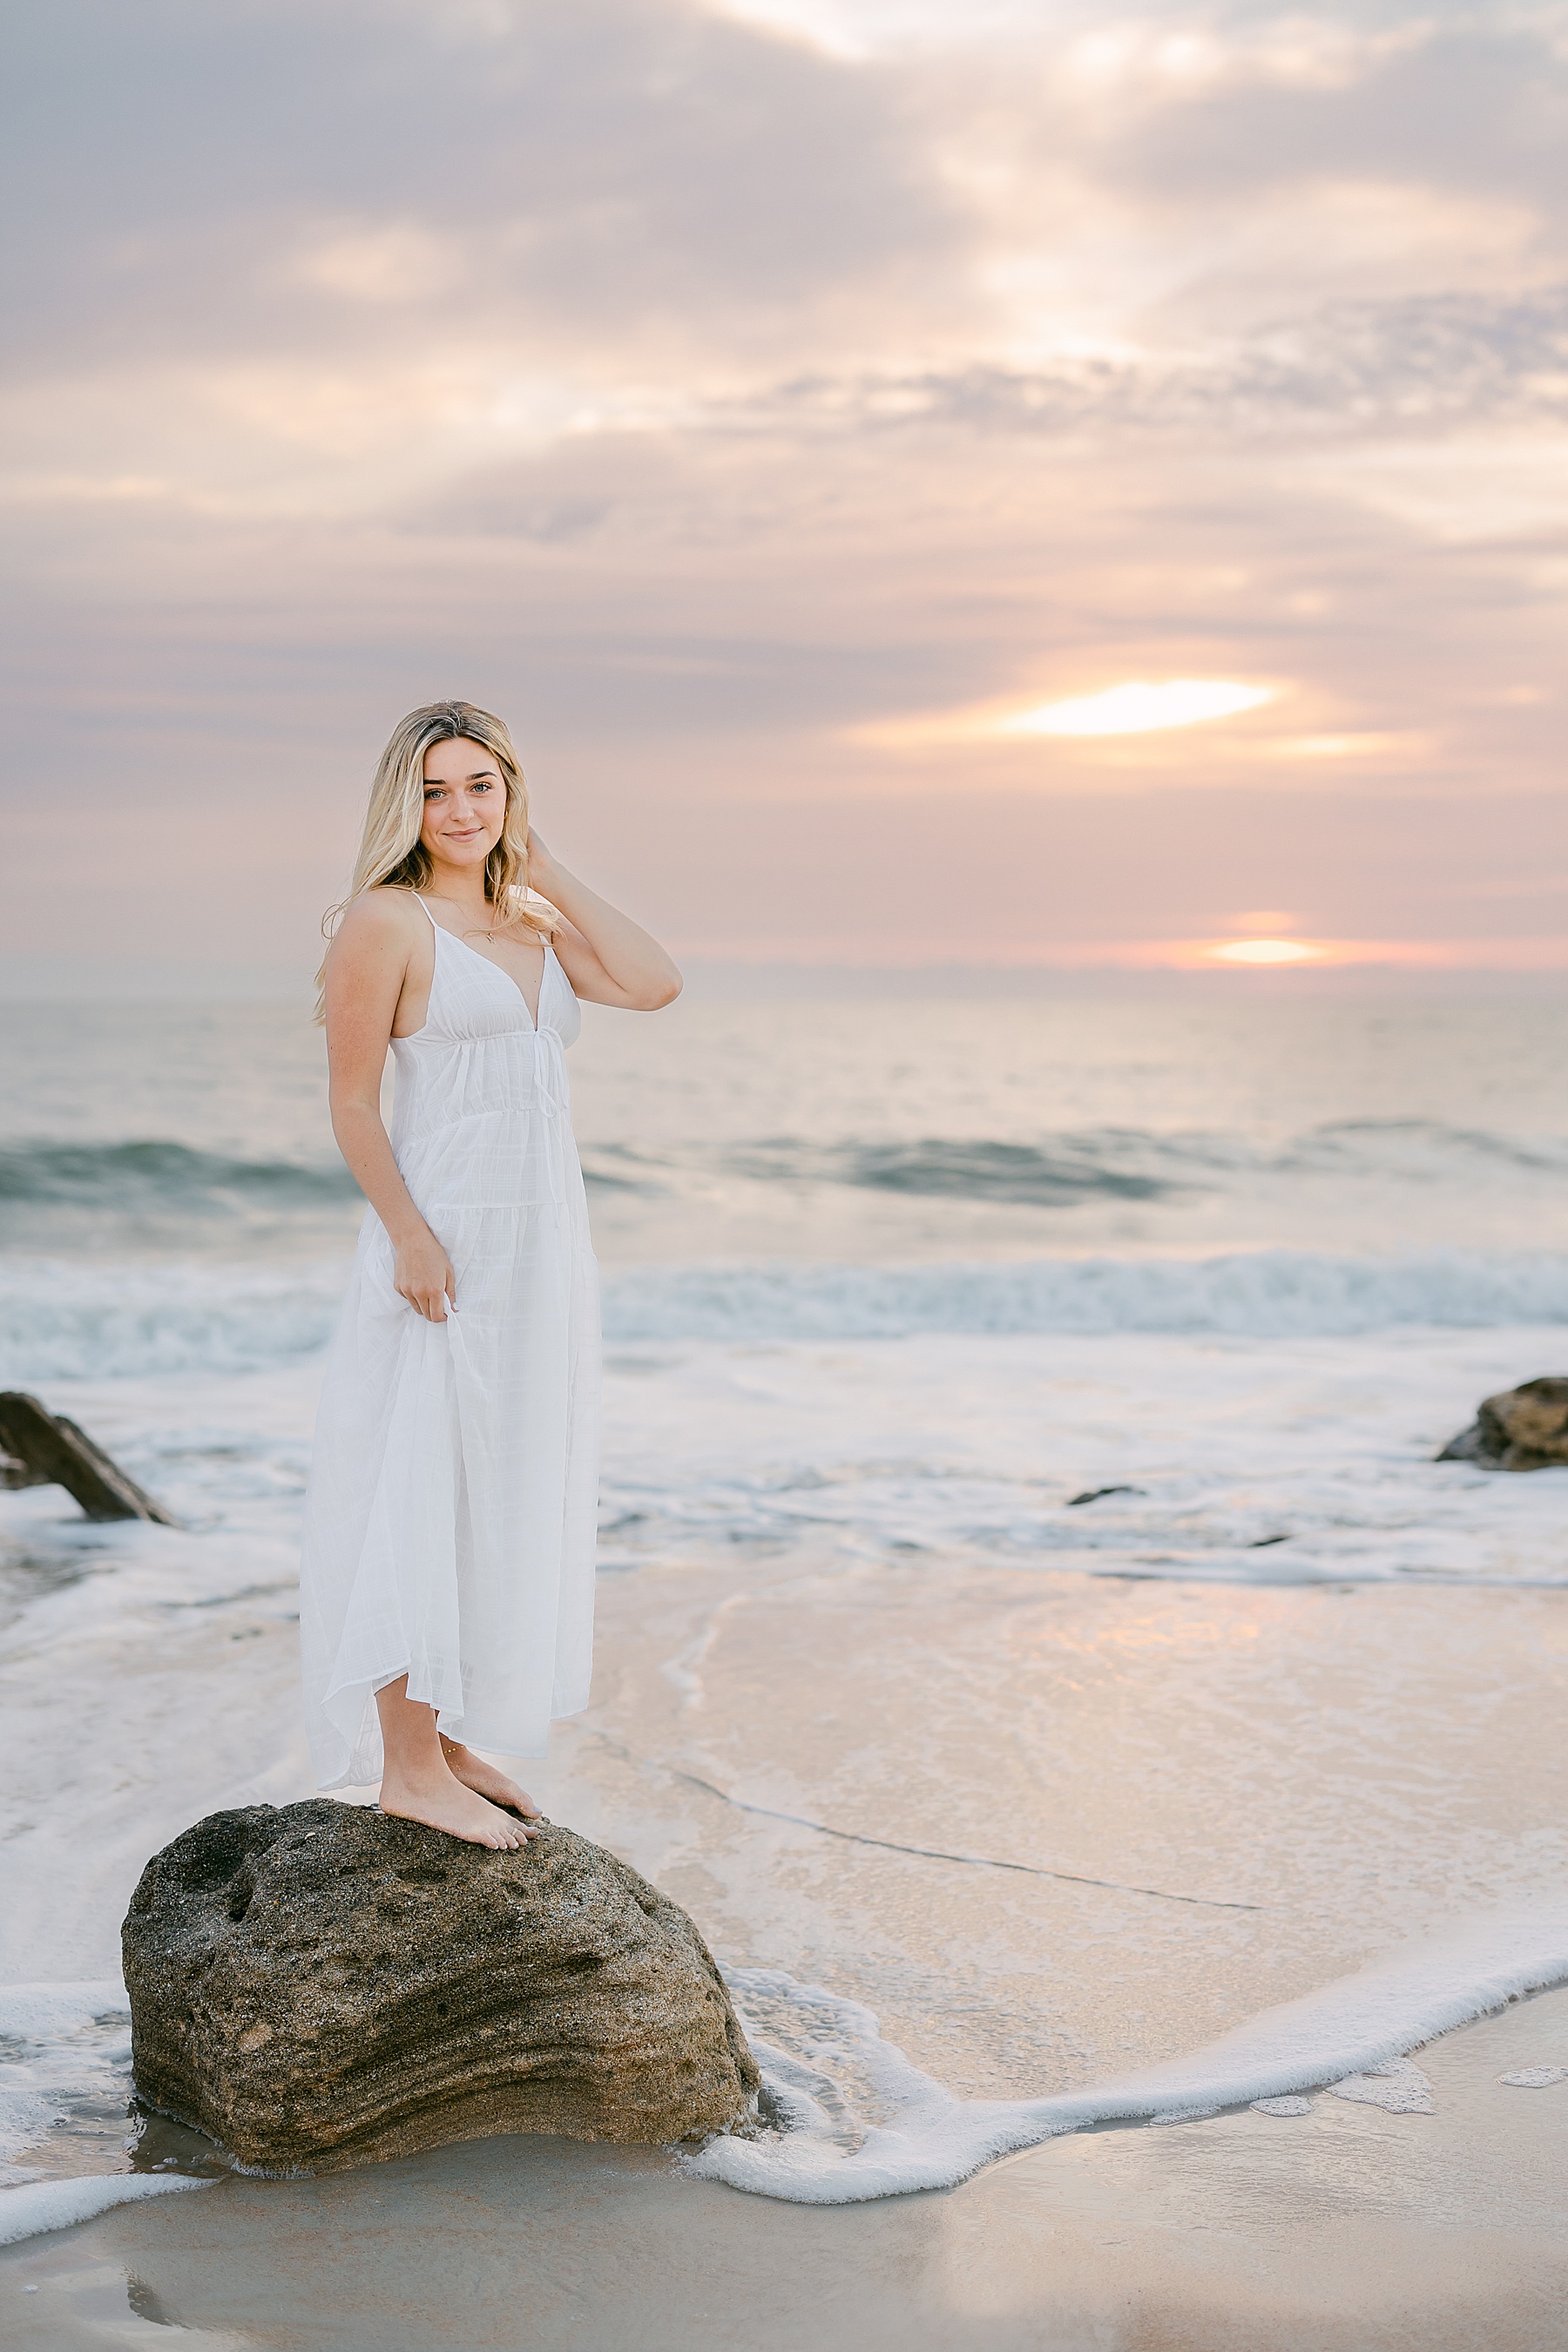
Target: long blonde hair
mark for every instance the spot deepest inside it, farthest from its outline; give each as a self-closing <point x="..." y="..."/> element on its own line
<point x="390" y="853"/>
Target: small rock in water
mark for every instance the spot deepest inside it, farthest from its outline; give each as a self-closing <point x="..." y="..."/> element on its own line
<point x="1290" y="2106"/>
<point x="1523" y="1428"/>
<point x="1535" y="2078"/>
<point x="323" y="1985"/>
<point x="1398" y="2085"/>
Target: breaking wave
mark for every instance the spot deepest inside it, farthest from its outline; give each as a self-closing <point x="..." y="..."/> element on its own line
<point x="1262" y="1293"/>
<point x="63" y="1321"/>
<point x="60" y="1322"/>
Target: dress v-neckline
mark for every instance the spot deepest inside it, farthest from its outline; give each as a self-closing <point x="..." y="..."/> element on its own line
<point x="442" y="932"/>
<point x="501" y="971"/>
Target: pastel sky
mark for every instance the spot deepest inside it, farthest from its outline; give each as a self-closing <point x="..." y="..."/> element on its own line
<point x="779" y="411"/>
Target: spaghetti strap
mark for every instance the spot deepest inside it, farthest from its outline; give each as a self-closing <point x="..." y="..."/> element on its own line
<point x="429" y="918"/>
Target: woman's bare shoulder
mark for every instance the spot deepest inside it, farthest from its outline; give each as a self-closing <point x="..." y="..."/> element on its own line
<point x="385" y="915"/>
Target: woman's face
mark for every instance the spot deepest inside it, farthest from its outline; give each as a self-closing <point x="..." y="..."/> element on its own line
<point x="464" y="803"/>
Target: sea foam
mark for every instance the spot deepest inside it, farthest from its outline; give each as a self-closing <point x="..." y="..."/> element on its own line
<point x="61" y="2040"/>
<point x="42" y="2205"/>
<point x="813" y="2151"/>
<point x="60" y="1321"/>
<point x="1260" y="1294"/>
<point x="64" y="2042"/>
<point x="931" y="2139"/>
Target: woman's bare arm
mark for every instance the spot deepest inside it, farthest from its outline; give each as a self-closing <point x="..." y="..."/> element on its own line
<point x="607" y="957"/>
<point x="365" y="973"/>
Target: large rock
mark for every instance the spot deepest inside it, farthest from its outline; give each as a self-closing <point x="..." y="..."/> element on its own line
<point x="1524" y="1429"/>
<point x="322" y="1986"/>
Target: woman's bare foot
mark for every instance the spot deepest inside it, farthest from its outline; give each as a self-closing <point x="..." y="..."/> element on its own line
<point x="442" y="1801"/>
<point x="430" y="1779"/>
<point x="487" y="1779"/>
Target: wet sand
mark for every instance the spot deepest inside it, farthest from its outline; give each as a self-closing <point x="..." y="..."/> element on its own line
<point x="1345" y="2231"/>
<point x="1209" y="1799"/>
<point x="1048" y="1826"/>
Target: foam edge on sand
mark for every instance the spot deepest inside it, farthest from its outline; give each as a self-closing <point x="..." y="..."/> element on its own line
<point x="932" y="2140"/>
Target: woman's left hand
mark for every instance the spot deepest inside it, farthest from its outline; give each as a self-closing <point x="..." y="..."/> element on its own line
<point x="540" y="864"/>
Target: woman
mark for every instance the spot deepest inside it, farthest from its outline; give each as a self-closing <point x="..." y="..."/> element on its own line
<point x="448" y="1549"/>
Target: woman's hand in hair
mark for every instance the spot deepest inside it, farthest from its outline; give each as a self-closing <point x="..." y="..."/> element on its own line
<point x="540" y="865"/>
<point x="423" y="1275"/>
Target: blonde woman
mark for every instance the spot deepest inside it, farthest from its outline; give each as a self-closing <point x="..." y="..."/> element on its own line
<point x="449" y="1548"/>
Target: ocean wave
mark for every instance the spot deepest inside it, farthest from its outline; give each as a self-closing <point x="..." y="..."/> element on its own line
<point x="1053" y="1175"/>
<point x="1416" y="1147"/>
<point x="152" y="1177"/>
<point x="63" y="1322"/>
<point x="1262" y="1293"/>
<point x="161" y="1175"/>
<point x="60" y="1321"/>
<point x="1131" y="1163"/>
<point x="1136" y="1163"/>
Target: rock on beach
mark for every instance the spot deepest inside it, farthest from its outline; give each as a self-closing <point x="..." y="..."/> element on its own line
<point x="320" y="1986"/>
<point x="1524" y="1428"/>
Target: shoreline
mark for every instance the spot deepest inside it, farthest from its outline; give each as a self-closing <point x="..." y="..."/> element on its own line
<point x="1348" y="2230"/>
<point x="1050" y="1822"/>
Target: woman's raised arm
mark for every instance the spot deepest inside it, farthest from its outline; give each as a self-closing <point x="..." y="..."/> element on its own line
<point x="607" y="957"/>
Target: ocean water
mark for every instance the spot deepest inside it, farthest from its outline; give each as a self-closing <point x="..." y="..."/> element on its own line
<point x="171" y="1199"/>
<point x="981" y="1298"/>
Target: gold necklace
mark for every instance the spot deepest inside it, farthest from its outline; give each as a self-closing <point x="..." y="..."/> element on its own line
<point x="471" y="932"/>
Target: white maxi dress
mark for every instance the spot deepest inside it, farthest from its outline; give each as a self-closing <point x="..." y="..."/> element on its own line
<point x="450" y="1514"/>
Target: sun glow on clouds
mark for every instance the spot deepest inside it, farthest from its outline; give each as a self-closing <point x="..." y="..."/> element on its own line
<point x="1361" y="746"/>
<point x="1137" y="707"/>
<point x="858" y="29"/>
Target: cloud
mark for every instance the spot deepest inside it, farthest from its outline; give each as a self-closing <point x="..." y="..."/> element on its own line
<point x="1462" y="108"/>
<point x="709" y="387"/>
<point x="1395" y="366"/>
<point x="200" y="180"/>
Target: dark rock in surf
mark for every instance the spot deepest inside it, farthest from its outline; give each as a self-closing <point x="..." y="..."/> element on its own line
<point x="39" y="1448"/>
<point x="1524" y="1429"/>
<point x="322" y="1986"/>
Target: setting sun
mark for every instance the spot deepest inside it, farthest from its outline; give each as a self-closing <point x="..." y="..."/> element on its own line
<point x="1266" y="952"/>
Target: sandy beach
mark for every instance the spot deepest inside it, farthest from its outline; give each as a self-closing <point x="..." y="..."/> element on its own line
<point x="1049" y="1827"/>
